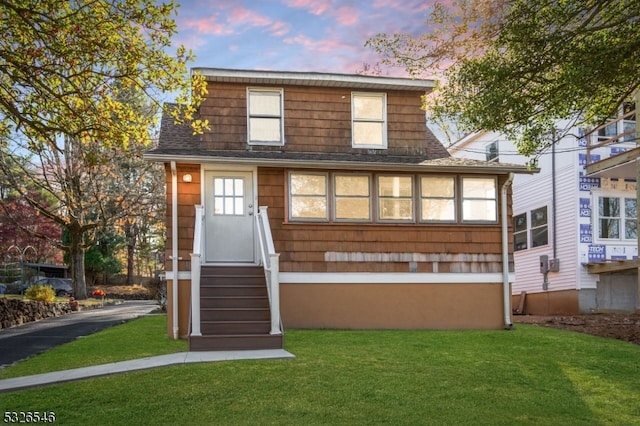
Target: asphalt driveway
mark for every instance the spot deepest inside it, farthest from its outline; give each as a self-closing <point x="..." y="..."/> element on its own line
<point x="26" y="340"/>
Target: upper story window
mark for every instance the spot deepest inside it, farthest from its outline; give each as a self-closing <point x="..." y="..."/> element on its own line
<point x="265" y="122"/>
<point x="369" y="120"/>
<point x="617" y="218"/>
<point x="492" y="152"/>
<point x="479" y="199"/>
<point x="622" y="122"/>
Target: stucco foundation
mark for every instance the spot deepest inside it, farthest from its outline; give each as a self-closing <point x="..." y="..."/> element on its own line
<point x="392" y="306"/>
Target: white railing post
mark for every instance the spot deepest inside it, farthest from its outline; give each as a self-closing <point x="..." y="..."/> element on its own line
<point x="271" y="263"/>
<point x="195" y="272"/>
<point x="275" y="293"/>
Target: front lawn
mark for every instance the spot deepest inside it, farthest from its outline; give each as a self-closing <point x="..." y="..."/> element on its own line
<point x="530" y="376"/>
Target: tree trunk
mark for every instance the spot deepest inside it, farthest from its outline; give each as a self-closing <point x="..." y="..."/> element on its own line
<point x="131" y="233"/>
<point x="76" y="254"/>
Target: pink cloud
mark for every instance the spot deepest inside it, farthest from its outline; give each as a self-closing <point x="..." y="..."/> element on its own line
<point x="347" y="15"/>
<point x="207" y="25"/>
<point x="317" y="45"/>
<point x="241" y="15"/>
<point x="280" y="28"/>
<point x="315" y="7"/>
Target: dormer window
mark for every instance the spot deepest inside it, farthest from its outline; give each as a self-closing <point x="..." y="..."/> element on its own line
<point x="369" y="120"/>
<point x="492" y="152"/>
<point x="265" y="116"/>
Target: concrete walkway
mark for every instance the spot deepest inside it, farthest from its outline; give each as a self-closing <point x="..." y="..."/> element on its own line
<point x="24" y="382"/>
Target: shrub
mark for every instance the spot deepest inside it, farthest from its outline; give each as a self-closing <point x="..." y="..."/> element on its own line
<point x="158" y="290"/>
<point x="41" y="293"/>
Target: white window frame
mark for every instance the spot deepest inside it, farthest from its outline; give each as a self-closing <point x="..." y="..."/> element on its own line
<point x="380" y="198"/>
<point x="291" y="196"/>
<point x="335" y="197"/>
<point x="524" y="231"/>
<point x="279" y="116"/>
<point x="382" y="121"/>
<point x="538" y="227"/>
<point x="463" y="199"/>
<point x="492" y="152"/>
<point x="453" y="198"/>
<point x="622" y="218"/>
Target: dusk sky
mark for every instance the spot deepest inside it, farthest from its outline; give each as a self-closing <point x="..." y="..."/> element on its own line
<point x="293" y="35"/>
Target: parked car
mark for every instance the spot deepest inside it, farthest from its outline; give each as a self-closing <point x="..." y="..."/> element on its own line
<point x="18" y="287"/>
<point x="62" y="286"/>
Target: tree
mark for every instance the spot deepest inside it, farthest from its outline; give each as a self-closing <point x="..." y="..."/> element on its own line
<point x="65" y="66"/>
<point x="518" y="66"/>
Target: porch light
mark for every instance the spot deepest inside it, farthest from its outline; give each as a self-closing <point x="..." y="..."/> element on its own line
<point x="187" y="177"/>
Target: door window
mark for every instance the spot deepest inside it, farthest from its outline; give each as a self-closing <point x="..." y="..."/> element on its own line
<point x="228" y="196"/>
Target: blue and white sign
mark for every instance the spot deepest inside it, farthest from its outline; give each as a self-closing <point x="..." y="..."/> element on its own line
<point x="582" y="159"/>
<point x="585" y="233"/>
<point x="597" y="253"/>
<point x="588" y="183"/>
<point x="585" y="207"/>
<point x="582" y="140"/>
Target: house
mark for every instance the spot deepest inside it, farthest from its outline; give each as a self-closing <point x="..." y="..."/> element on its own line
<point x="575" y="223"/>
<point x="329" y="191"/>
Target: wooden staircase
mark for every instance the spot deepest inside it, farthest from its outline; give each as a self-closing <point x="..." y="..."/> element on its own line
<point x="234" y="310"/>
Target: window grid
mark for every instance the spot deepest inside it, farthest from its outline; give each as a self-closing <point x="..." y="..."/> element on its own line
<point x="392" y="196"/>
<point x="265" y="116"/>
<point x="539" y="227"/>
<point x="617" y="218"/>
<point x="369" y="120"/>
<point x="352" y="197"/>
<point x="520" y="232"/>
<point x="395" y="198"/>
<point x="479" y="199"/>
<point x="228" y="196"/>
<point x="437" y="199"/>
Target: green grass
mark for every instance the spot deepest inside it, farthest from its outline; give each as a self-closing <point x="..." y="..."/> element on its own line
<point x="530" y="376"/>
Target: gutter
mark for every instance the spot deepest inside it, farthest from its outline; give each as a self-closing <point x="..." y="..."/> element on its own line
<point x="174" y="247"/>
<point x="506" y="293"/>
<point x="423" y="167"/>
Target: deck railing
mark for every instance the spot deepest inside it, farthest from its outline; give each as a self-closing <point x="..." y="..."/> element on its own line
<point x="195" y="272"/>
<point x="595" y="141"/>
<point x="271" y="263"/>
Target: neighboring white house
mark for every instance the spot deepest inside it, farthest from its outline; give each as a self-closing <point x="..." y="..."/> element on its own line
<point x="575" y="237"/>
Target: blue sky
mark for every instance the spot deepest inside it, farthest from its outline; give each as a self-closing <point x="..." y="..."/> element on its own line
<point x="293" y="35"/>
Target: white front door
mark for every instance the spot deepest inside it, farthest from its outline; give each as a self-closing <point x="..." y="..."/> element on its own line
<point x="229" y="221"/>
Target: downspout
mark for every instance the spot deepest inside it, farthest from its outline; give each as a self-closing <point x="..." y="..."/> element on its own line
<point x="554" y="196"/>
<point x="174" y="246"/>
<point x="506" y="293"/>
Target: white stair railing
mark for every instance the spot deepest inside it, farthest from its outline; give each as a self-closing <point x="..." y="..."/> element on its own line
<point x="195" y="272"/>
<point x="271" y="263"/>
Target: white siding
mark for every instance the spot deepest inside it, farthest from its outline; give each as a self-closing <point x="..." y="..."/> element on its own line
<point x="573" y="223"/>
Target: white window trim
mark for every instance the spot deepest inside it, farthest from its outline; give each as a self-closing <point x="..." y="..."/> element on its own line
<point x="463" y="198"/>
<point x="270" y="90"/>
<point x="532" y="228"/>
<point x="596" y="218"/>
<point x="380" y="95"/>
<point x="413" y="199"/>
<point x="334" y="197"/>
<point x="327" y="196"/>
<point x="455" y="199"/>
<point x="524" y="231"/>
